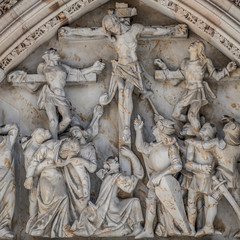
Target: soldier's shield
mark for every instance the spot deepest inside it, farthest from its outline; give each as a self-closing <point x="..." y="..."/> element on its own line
<point x="170" y="196"/>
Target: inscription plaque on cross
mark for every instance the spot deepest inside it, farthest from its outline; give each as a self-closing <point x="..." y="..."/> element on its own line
<point x="127" y="71"/>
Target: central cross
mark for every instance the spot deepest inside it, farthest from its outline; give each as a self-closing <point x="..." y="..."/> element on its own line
<point x="127" y="71"/>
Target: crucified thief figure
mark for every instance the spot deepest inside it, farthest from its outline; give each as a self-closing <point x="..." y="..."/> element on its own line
<point x="127" y="71"/>
<point x="197" y="91"/>
<point x="53" y="98"/>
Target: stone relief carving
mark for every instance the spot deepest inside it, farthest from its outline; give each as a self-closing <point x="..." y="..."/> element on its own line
<point x="53" y="98"/>
<point x="127" y="71"/>
<point x="162" y="162"/>
<point x="201" y="163"/>
<point x="111" y="216"/>
<point x="5" y="5"/>
<point x="8" y="138"/>
<point x="202" y="25"/>
<point x="30" y="147"/>
<point x="58" y="166"/>
<point x="236" y="2"/>
<point x="197" y="91"/>
<point x="213" y="163"/>
<point x="55" y="166"/>
<point x="39" y="33"/>
<point x="74" y="179"/>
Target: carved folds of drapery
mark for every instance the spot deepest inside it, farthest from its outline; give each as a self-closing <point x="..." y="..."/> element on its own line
<point x="188" y="167"/>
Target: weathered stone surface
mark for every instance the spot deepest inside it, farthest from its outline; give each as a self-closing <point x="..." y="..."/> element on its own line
<point x="19" y="105"/>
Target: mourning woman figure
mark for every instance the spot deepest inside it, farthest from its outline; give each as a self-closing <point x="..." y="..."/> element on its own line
<point x="8" y="137"/>
<point x="48" y="166"/>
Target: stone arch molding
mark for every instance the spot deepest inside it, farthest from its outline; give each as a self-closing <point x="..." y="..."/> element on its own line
<point x="28" y="24"/>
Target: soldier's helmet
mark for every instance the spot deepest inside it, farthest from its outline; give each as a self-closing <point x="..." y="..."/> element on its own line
<point x="231" y="130"/>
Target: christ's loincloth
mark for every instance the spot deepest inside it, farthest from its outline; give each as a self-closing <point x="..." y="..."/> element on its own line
<point x="131" y="72"/>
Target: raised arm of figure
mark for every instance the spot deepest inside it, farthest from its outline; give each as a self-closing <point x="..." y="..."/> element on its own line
<point x="31" y="171"/>
<point x="93" y="128"/>
<point x="179" y="30"/>
<point x="136" y="165"/>
<point x="174" y="76"/>
<point x="218" y="75"/>
<point x="12" y="131"/>
<point x="141" y="146"/>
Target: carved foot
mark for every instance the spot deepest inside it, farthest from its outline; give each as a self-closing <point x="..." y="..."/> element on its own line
<point x="206" y="231"/>
<point x="37" y="233"/>
<point x="126" y="231"/>
<point x="8" y="235"/>
<point x="192" y="231"/>
<point x="136" y="230"/>
<point x="237" y="235"/>
<point x="145" y="234"/>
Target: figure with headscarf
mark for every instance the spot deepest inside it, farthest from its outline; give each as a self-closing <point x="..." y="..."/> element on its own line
<point x="79" y="169"/>
<point x="8" y="138"/>
<point x="111" y="216"/>
<point x="163" y="162"/>
<point x="55" y="203"/>
<point x="30" y="146"/>
<point x="85" y="163"/>
<point x="197" y="91"/>
<point x="127" y="71"/>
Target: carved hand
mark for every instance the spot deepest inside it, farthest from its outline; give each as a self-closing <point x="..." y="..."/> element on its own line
<point x="28" y="184"/>
<point x="206" y="168"/>
<point x="98" y="110"/>
<point x="65" y="31"/>
<point x="17" y="76"/>
<point x="221" y="144"/>
<point x="103" y="100"/>
<point x="160" y="64"/>
<point x="46" y="163"/>
<point x="126" y="151"/>
<point x="138" y="123"/>
<point x="181" y="30"/>
<point x="157" y="179"/>
<point x="232" y="66"/>
<point x="98" y="66"/>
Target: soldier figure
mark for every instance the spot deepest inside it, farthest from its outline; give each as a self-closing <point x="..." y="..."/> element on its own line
<point x="162" y="162"/>
<point x="201" y="163"/>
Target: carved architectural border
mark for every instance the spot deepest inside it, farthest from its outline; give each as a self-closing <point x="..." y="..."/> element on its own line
<point x="5" y="5"/>
<point x="35" y="36"/>
<point x="236" y="2"/>
<point x="202" y="25"/>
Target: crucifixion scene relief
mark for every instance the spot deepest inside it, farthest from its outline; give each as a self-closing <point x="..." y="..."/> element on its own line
<point x="119" y="119"/>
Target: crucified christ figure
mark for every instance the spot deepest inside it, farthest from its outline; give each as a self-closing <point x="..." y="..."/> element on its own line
<point x="127" y="71"/>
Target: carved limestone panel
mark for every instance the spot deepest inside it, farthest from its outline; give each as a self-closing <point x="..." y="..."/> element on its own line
<point x="125" y="124"/>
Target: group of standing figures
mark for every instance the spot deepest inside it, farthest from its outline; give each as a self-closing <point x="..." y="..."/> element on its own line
<point x="58" y="161"/>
